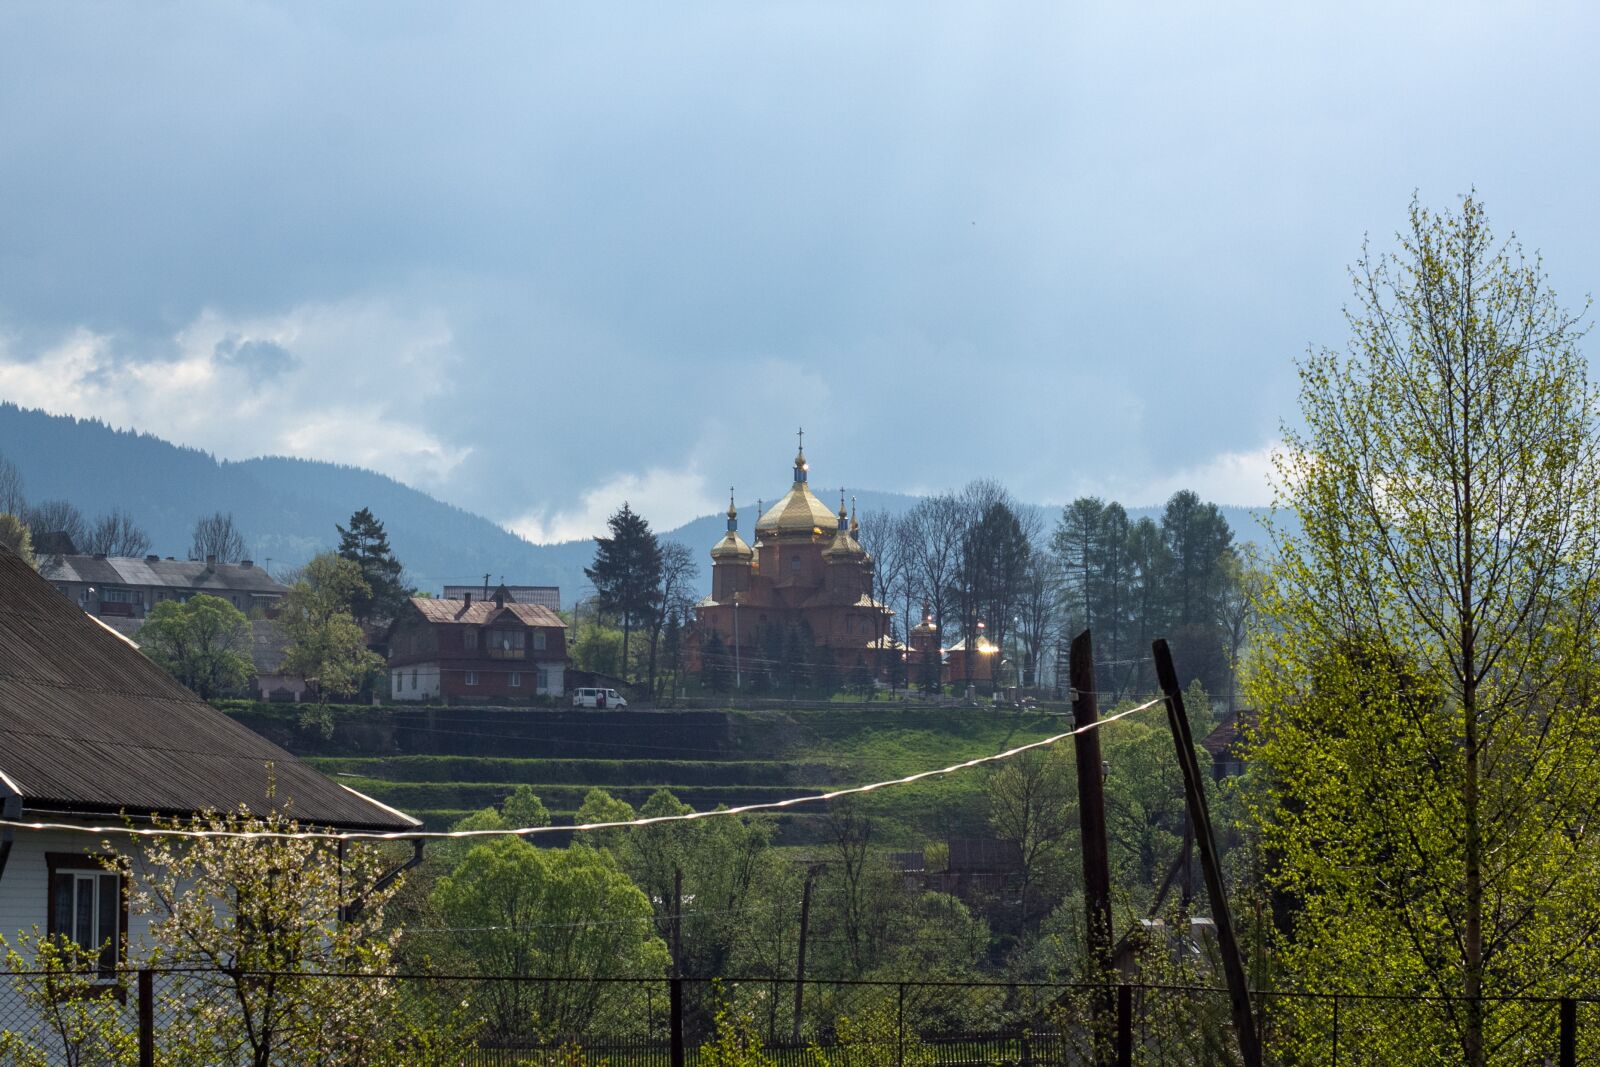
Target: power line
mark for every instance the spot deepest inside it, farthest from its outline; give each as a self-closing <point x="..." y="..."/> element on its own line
<point x="529" y="831"/>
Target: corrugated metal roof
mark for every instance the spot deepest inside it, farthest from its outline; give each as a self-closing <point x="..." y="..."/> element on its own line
<point x="88" y="724"/>
<point x="483" y="614"/>
<point x="187" y="574"/>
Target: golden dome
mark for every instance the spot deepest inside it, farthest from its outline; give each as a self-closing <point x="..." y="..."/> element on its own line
<point x="798" y="512"/>
<point x="844" y="546"/>
<point x="732" y="547"/>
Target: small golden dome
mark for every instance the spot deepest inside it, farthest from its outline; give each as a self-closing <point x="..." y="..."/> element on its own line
<point x="732" y="548"/>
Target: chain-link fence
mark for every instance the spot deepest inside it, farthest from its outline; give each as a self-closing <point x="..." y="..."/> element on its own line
<point x="194" y="1017"/>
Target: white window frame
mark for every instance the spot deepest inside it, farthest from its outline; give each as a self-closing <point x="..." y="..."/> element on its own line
<point x="472" y="677"/>
<point x="516" y="679"/>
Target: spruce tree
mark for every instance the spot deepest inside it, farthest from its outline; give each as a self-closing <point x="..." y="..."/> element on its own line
<point x="365" y="544"/>
<point x="627" y="573"/>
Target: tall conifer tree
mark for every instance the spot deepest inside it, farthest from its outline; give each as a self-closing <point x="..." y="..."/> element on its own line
<point x="627" y="573"/>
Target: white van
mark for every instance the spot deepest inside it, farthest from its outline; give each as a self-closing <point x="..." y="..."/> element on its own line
<point x="597" y="698"/>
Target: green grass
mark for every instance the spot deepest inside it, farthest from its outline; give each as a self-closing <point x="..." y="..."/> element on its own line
<point x="705" y="759"/>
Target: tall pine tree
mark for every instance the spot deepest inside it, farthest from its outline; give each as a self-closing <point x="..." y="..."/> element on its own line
<point x="365" y="544"/>
<point x="627" y="573"/>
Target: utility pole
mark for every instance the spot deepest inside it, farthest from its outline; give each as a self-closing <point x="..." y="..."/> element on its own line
<point x="1092" y="823"/>
<point x="800" y="956"/>
<point x="1194" y="789"/>
<point x="676" y="985"/>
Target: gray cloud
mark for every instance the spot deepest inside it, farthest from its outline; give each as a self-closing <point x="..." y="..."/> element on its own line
<point x="1071" y="246"/>
<point x="260" y="360"/>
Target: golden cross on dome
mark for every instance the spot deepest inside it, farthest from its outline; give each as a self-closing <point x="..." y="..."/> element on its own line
<point x="801" y="433"/>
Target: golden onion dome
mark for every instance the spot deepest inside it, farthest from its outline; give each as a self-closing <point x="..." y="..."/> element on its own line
<point x="798" y="512"/>
<point x="732" y="549"/>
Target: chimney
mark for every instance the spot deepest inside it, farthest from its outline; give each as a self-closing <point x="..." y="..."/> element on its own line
<point x="99" y="555"/>
<point x="211" y="561"/>
<point x="466" y="605"/>
<point x="152" y="559"/>
<point x="246" y="564"/>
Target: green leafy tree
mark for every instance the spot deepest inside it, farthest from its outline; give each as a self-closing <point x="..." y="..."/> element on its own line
<point x="598" y="648"/>
<point x="600" y="806"/>
<point x="252" y="927"/>
<point x="627" y="574"/>
<point x="365" y="544"/>
<point x="1428" y="758"/>
<point x="326" y="644"/>
<point x="15" y="536"/>
<point x="1033" y="800"/>
<point x="522" y="911"/>
<point x="719" y="860"/>
<point x="77" y="1018"/>
<point x="204" y="643"/>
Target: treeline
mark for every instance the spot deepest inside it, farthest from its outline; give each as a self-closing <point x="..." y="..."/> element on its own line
<point x="49" y="527"/>
<point x="988" y="569"/>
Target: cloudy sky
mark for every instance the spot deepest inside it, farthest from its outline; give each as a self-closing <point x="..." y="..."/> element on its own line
<point x="536" y="258"/>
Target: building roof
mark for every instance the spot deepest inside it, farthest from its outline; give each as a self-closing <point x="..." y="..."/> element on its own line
<point x="798" y="512"/>
<point x="548" y="595"/>
<point x="186" y="574"/>
<point x="483" y="613"/>
<point x="984" y="855"/>
<point x="88" y="725"/>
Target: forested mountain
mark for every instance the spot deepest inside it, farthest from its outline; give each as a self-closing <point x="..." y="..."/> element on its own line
<point x="287" y="508"/>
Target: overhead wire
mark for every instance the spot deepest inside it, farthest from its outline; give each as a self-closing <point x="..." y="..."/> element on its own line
<point x="530" y="831"/>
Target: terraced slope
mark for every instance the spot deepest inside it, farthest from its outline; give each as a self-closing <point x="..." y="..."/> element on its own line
<point x="441" y="763"/>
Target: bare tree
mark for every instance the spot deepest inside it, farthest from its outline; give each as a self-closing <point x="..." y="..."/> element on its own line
<point x="1036" y="609"/>
<point x="933" y="531"/>
<point x="216" y="535"/>
<point x="679" y="569"/>
<point x="883" y="538"/>
<point x="11" y="499"/>
<point x="115" y="534"/>
<point x="52" y="520"/>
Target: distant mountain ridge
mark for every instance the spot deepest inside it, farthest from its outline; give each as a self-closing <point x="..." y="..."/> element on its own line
<point x="288" y="507"/>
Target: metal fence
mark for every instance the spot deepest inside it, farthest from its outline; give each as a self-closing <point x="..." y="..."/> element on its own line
<point x="192" y="1017"/>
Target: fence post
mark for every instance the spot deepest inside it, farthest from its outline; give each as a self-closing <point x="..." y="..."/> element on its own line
<point x="1124" y="1025"/>
<point x="1569" y="1032"/>
<point x="1336" y="1030"/>
<point x="147" y="1018"/>
<point x="900" y="1028"/>
<point x="675" y="987"/>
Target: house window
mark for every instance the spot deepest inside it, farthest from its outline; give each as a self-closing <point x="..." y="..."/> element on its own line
<point x="544" y="680"/>
<point x="118" y="596"/>
<point x="413" y="678"/>
<point x="507" y="644"/>
<point x="86" y="906"/>
<point x="538" y="640"/>
<point x="469" y="639"/>
<point x="794" y="563"/>
<point x="472" y="677"/>
<point x="516" y="680"/>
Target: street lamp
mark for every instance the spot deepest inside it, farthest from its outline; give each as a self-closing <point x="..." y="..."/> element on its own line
<point x="738" y="673"/>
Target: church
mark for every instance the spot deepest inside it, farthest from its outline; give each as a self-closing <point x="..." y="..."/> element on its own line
<point x="806" y="578"/>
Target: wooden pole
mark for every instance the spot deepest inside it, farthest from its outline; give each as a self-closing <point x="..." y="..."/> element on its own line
<point x="676" y="988"/>
<point x="1194" y="790"/>
<point x="800" y="957"/>
<point x="1092" y="825"/>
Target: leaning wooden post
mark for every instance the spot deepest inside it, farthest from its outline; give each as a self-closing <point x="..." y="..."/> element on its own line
<point x="1092" y="825"/>
<point x="1194" y="791"/>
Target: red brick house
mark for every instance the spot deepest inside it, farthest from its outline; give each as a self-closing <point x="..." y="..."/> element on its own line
<point x="465" y="650"/>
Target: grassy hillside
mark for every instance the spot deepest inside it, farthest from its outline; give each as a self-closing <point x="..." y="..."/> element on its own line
<point x="440" y="763"/>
